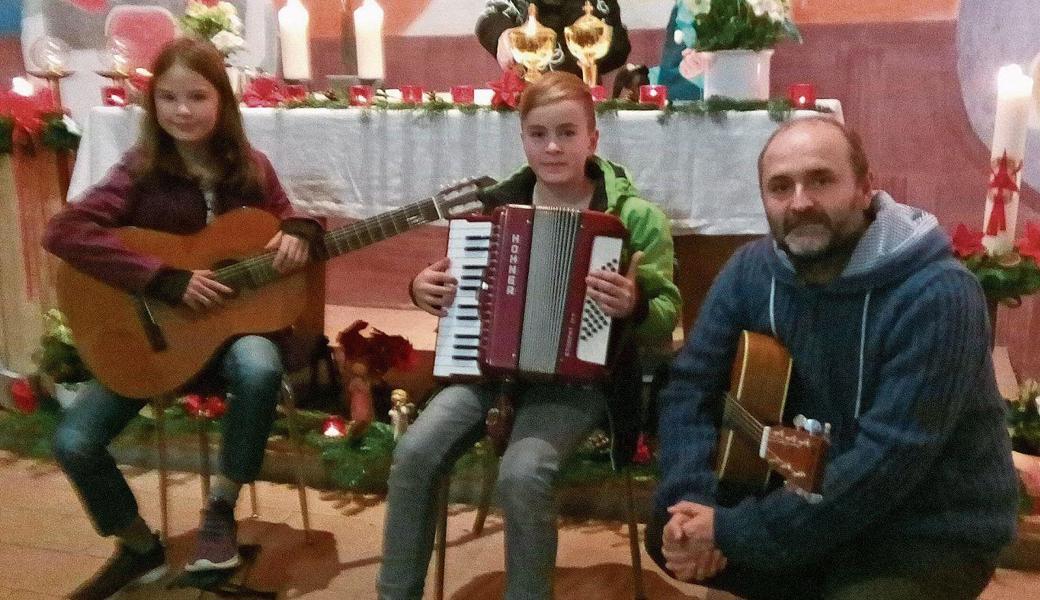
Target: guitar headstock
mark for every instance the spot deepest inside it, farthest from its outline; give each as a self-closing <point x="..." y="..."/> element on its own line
<point x="461" y="198"/>
<point x="798" y="454"/>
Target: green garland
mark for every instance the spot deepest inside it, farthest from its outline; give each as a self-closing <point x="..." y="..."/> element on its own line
<point x="55" y="135"/>
<point x="779" y="109"/>
<point x="1005" y="278"/>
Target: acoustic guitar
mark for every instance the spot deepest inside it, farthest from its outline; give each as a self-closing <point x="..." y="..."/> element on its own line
<point x="141" y="347"/>
<point x="752" y="442"/>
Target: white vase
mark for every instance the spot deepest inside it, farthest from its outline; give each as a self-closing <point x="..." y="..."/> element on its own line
<point x="738" y="74"/>
<point x="66" y="393"/>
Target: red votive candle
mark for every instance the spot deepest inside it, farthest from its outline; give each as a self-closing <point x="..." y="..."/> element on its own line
<point x="412" y="94"/>
<point x="599" y="93"/>
<point x="113" y="95"/>
<point x="462" y="94"/>
<point x="362" y="95"/>
<point x="295" y="91"/>
<point x="802" y="95"/>
<point x="653" y="94"/>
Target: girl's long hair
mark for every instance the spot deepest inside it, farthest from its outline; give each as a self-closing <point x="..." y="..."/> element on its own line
<point x="236" y="171"/>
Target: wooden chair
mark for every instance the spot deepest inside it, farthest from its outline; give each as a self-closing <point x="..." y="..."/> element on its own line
<point x="288" y="400"/>
<point x="483" y="504"/>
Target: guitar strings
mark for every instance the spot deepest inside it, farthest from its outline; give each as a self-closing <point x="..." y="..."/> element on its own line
<point x="249" y="265"/>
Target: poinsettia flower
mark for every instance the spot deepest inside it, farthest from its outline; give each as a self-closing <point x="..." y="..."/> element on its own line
<point x="210" y="3"/>
<point x="967" y="243"/>
<point x="210" y="407"/>
<point x="507" y="90"/>
<point x="1029" y="244"/>
<point x="263" y="91"/>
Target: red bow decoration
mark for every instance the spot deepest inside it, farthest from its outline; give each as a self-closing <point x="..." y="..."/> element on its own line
<point x="263" y="92"/>
<point x="1029" y="245"/>
<point x="1003" y="183"/>
<point x="23" y="396"/>
<point x="966" y="242"/>
<point x="210" y="407"/>
<point x="379" y="352"/>
<point x="507" y="90"/>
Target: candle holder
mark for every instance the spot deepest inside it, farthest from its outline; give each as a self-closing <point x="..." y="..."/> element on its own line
<point x="599" y="93"/>
<point x="653" y="94"/>
<point x="462" y="94"/>
<point x="533" y="45"/>
<point x="588" y="40"/>
<point x="362" y="95"/>
<point x="412" y="94"/>
<point x="802" y="95"/>
<point x="114" y="95"/>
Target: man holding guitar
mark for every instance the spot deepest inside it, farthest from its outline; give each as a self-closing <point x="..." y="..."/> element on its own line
<point x="192" y="163"/>
<point x="889" y="343"/>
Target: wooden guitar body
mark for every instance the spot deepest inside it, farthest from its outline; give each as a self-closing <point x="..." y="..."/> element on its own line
<point x="758" y="382"/>
<point x="111" y="336"/>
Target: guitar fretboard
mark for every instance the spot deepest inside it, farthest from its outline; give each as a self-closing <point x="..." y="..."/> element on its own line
<point x="258" y="270"/>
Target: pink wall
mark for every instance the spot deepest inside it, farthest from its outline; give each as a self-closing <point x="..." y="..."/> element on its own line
<point x="898" y="86"/>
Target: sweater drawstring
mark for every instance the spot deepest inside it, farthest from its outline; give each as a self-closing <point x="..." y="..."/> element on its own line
<point x="772" y="308"/>
<point x="862" y="349"/>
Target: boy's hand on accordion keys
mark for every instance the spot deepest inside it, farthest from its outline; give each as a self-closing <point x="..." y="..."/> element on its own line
<point x="615" y="293"/>
<point x="433" y="289"/>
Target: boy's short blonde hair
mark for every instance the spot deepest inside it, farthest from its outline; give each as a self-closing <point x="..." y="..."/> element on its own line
<point x="557" y="86"/>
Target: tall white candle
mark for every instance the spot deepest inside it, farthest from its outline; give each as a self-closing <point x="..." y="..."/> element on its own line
<point x="368" y="31"/>
<point x="293" y="21"/>
<point x="1014" y="94"/>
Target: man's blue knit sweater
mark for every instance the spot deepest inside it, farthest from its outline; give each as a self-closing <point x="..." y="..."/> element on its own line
<point x="894" y="354"/>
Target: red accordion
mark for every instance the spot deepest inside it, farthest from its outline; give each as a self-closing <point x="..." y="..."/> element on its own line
<point x="521" y="307"/>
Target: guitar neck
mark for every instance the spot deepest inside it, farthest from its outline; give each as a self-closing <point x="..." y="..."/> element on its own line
<point x="257" y="271"/>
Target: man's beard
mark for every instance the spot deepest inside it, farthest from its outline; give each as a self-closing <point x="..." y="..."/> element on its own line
<point x="807" y="252"/>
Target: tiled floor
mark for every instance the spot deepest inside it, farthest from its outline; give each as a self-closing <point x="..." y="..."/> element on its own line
<point x="47" y="545"/>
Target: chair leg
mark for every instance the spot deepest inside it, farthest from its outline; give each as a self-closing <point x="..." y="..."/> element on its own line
<point x="633" y="540"/>
<point x="442" y="535"/>
<point x="297" y="441"/>
<point x="487" y="487"/>
<point x="254" y="511"/>
<point x="204" y="472"/>
<point x="159" y="406"/>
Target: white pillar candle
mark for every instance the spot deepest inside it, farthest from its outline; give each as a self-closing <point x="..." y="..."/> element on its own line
<point x="293" y="22"/>
<point x="368" y="31"/>
<point x="1014" y="93"/>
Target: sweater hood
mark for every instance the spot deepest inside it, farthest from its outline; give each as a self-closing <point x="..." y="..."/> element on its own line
<point x="612" y="186"/>
<point x="901" y="240"/>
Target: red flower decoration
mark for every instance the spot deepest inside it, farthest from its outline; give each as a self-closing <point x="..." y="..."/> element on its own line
<point x="26" y="112"/>
<point x="967" y="243"/>
<point x="263" y="91"/>
<point x="642" y="454"/>
<point x="1029" y="245"/>
<point x="379" y="352"/>
<point x="210" y="407"/>
<point x="507" y="90"/>
<point x="209" y="3"/>
<point x="23" y="396"/>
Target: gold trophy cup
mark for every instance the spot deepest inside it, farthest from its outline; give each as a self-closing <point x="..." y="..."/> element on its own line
<point x="588" y="40"/>
<point x="533" y="45"/>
